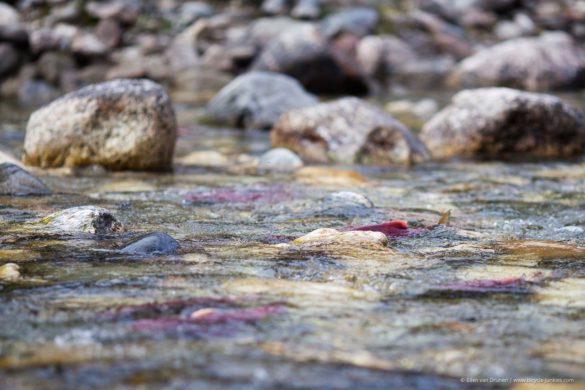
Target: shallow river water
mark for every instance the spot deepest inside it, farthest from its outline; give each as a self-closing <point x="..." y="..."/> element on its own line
<point x="499" y="293"/>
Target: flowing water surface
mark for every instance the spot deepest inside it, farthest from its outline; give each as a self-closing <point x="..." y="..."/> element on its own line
<point x="499" y="293"/>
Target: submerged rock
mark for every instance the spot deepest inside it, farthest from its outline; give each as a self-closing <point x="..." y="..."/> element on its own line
<point x="83" y="219"/>
<point x="120" y="124"/>
<point x="258" y="99"/>
<point x="502" y="122"/>
<point x="16" y="181"/>
<point x="9" y="272"/>
<point x="280" y="160"/>
<point x="304" y="53"/>
<point x="346" y="199"/>
<point x="551" y="61"/>
<point x="155" y="243"/>
<point x="347" y="131"/>
<point x="330" y="237"/>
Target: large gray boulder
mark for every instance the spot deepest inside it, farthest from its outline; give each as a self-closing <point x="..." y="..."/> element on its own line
<point x="120" y="124"/>
<point x="16" y="181"/>
<point x="347" y="131"/>
<point x="258" y="99"/>
<point x="502" y="123"/>
<point x="551" y="61"/>
<point x="158" y="243"/>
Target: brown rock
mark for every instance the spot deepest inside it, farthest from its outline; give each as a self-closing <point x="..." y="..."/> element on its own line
<point x="347" y="131"/>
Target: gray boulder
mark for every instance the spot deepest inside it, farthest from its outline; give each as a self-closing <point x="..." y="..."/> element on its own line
<point x="120" y="124"/>
<point x="16" y="181"/>
<point x="257" y="99"/>
<point x="83" y="219"/>
<point x="551" y="61"/>
<point x="502" y="122"/>
<point x="359" y="21"/>
<point x="347" y="131"/>
<point x="152" y="244"/>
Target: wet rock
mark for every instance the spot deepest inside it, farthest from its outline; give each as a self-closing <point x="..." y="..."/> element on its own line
<point x="347" y="131"/>
<point x="9" y="59"/>
<point x="153" y="244"/>
<point x="304" y="53"/>
<point x="8" y="157"/>
<point x="121" y="124"/>
<point x="502" y="122"/>
<point x="551" y="61"/>
<point x="344" y="204"/>
<point x="83" y="219"/>
<point x="359" y="21"/>
<point x="258" y="99"/>
<point x="323" y="238"/>
<point x="306" y="9"/>
<point x="16" y="181"/>
<point x="9" y="272"/>
<point x="280" y="160"/>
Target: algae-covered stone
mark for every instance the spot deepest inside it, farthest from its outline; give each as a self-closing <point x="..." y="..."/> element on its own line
<point x="120" y="124"/>
<point x="155" y="243"/>
<point x="16" y="181"/>
<point x="83" y="219"/>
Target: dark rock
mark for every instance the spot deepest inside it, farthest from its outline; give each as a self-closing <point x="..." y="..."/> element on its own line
<point x="152" y="244"/>
<point x="359" y="21"/>
<point x="9" y="59"/>
<point x="347" y="131"/>
<point x="551" y="61"/>
<point x="121" y="124"/>
<point x="257" y="99"/>
<point x="505" y="123"/>
<point x="16" y="181"/>
<point x="303" y="53"/>
<point x="16" y="34"/>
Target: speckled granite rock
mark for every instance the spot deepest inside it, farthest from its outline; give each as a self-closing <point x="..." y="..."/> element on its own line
<point x="120" y="124"/>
